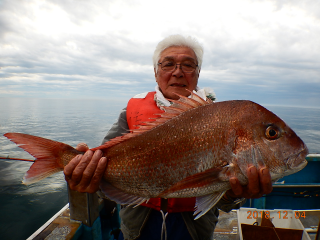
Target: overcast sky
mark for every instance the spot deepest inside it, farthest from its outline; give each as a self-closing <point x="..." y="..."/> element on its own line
<point x="267" y="51"/>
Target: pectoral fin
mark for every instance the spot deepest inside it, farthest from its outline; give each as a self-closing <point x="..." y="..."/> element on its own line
<point x="205" y="203"/>
<point x="198" y="180"/>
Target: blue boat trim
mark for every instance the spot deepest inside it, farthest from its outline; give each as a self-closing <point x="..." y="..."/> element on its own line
<point x="313" y="157"/>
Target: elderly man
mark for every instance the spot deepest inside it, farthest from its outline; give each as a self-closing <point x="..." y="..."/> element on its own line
<point x="177" y="63"/>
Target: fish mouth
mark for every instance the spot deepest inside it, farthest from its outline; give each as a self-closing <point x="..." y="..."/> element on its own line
<point x="298" y="161"/>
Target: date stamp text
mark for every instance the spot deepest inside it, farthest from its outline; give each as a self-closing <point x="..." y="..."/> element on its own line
<point x="279" y="214"/>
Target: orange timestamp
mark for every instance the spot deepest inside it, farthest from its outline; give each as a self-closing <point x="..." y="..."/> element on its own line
<point x="281" y="214"/>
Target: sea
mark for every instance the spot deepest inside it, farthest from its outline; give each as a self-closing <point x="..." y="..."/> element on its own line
<point x="25" y="208"/>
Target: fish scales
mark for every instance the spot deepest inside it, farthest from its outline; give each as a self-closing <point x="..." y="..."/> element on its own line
<point x="172" y="156"/>
<point x="192" y="154"/>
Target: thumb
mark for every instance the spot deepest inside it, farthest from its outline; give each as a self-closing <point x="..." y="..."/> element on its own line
<point x="82" y="147"/>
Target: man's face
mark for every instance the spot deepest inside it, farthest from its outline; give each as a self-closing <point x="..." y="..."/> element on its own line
<point x="177" y="81"/>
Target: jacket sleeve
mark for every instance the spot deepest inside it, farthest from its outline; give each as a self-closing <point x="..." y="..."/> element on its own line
<point x="118" y="128"/>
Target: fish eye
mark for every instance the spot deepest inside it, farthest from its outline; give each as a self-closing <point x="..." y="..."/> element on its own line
<point x="272" y="132"/>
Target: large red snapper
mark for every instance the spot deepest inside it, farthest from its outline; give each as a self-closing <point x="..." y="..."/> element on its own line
<point x="190" y="151"/>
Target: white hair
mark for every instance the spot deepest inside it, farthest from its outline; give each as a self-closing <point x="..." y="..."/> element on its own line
<point x="181" y="41"/>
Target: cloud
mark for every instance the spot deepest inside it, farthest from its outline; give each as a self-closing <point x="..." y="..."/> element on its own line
<point x="266" y="49"/>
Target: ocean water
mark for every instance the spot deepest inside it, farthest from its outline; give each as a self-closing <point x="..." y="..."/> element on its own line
<point x="25" y="208"/>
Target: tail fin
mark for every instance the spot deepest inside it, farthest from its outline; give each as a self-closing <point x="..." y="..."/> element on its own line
<point x="51" y="156"/>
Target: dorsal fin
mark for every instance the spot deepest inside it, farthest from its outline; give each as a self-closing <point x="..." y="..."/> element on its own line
<point x="179" y="106"/>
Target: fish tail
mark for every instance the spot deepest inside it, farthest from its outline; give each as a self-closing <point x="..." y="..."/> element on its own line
<point x="51" y="156"/>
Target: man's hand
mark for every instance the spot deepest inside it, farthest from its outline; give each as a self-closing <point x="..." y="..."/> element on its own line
<point x="259" y="183"/>
<point x="84" y="172"/>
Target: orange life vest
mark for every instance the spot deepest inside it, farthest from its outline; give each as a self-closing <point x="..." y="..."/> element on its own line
<point x="140" y="110"/>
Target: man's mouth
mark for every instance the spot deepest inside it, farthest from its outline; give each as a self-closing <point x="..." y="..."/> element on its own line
<point x="178" y="85"/>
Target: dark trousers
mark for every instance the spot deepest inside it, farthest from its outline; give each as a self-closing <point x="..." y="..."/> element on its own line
<point x="176" y="228"/>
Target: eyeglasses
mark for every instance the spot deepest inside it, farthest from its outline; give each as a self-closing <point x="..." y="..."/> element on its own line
<point x="170" y="66"/>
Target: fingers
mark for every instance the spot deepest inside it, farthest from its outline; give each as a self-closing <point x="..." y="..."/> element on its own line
<point x="253" y="181"/>
<point x="80" y="168"/>
<point x="259" y="183"/>
<point x="265" y="181"/>
<point x="68" y="169"/>
<point x="98" y="174"/>
<point x="90" y="168"/>
<point x="236" y="188"/>
<point x="84" y="172"/>
<point x="253" y="187"/>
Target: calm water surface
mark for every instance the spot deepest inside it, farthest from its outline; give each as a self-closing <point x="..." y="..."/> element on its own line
<point x="25" y="208"/>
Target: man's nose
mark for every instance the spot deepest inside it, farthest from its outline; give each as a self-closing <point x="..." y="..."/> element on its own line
<point x="178" y="70"/>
